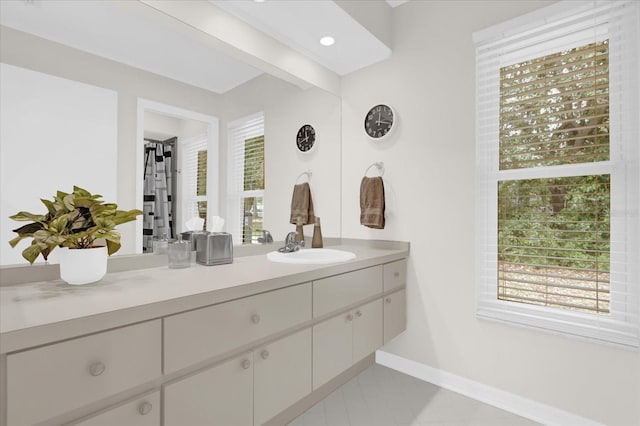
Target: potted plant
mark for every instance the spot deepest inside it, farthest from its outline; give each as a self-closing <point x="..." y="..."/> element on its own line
<point x="74" y="222"/>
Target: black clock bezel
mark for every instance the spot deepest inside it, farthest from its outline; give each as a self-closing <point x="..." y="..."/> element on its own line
<point x="306" y="138"/>
<point x="392" y="126"/>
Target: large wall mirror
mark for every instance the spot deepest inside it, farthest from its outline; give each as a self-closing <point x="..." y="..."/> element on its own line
<point x="83" y="117"/>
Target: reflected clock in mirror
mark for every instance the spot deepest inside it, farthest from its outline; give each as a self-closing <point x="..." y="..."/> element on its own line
<point x="379" y="121"/>
<point x="306" y="138"/>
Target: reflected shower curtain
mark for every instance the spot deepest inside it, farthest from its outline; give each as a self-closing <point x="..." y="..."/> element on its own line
<point x="158" y="220"/>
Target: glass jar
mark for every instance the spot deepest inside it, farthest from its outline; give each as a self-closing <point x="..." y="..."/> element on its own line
<point x="160" y="245"/>
<point x="179" y="253"/>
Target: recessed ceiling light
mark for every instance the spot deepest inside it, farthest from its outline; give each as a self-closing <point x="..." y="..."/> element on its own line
<point x="259" y="1"/>
<point x="327" y="41"/>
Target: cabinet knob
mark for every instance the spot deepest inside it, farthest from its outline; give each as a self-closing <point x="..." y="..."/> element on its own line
<point x="358" y="314"/>
<point x="264" y="354"/>
<point x="246" y="364"/>
<point x="255" y="318"/>
<point x="388" y="300"/>
<point x="396" y="274"/>
<point x="145" y="408"/>
<point x="97" y="368"/>
<point x="349" y="317"/>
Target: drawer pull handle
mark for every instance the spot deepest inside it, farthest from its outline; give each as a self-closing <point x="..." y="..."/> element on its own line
<point x="246" y="364"/>
<point x="358" y="314"/>
<point x="396" y="274"/>
<point x="349" y="317"/>
<point x="97" y="368"/>
<point x="388" y="300"/>
<point x="255" y="318"/>
<point x="264" y="354"/>
<point x="145" y="408"/>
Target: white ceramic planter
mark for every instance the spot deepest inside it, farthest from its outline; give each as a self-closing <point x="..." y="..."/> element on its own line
<point x="83" y="266"/>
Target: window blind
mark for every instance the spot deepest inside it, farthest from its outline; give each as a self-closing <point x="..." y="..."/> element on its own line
<point x="246" y="177"/>
<point x="557" y="170"/>
<point x="555" y="109"/>
<point x="194" y="178"/>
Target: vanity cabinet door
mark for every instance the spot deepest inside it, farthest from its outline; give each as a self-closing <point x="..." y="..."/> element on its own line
<point x="282" y="375"/>
<point x="395" y="314"/>
<point x="219" y="396"/>
<point x="345" y="339"/>
<point x="332" y="348"/>
<point x="367" y="329"/>
<point x="143" y="411"/>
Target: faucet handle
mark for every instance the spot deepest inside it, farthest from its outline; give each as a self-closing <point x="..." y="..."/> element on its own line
<point x="266" y="238"/>
<point x="290" y="238"/>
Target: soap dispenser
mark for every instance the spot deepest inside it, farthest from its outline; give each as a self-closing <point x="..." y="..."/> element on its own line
<point x="299" y="230"/>
<point x="179" y="253"/>
<point x="316" y="242"/>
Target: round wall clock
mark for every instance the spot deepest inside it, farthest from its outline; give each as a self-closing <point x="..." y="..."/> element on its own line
<point x="306" y="138"/>
<point x="379" y="121"/>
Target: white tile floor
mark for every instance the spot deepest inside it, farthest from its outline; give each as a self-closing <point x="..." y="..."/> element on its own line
<point x="380" y="396"/>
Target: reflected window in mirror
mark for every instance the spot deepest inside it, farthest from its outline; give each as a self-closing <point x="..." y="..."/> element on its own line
<point x="245" y="212"/>
<point x="194" y="178"/>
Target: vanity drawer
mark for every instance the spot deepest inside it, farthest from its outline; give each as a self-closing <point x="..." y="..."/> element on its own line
<point x="395" y="274"/>
<point x="51" y="380"/>
<point x="204" y="333"/>
<point x="144" y="411"/>
<point x="333" y="293"/>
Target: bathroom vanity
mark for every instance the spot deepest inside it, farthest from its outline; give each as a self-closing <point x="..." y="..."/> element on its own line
<point x="249" y="343"/>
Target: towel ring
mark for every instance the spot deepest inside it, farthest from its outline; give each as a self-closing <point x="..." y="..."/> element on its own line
<point x="307" y="173"/>
<point x="377" y="165"/>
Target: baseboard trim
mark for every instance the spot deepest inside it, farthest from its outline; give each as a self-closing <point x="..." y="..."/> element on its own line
<point x="507" y="401"/>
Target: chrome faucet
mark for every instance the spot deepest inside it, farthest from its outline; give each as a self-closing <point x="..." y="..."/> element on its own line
<point x="266" y="237"/>
<point x="290" y="243"/>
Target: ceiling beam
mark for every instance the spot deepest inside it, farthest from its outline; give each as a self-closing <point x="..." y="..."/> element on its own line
<point x="232" y="36"/>
<point x="374" y="15"/>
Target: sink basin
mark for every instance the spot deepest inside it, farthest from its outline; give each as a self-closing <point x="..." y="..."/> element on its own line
<point x="311" y="256"/>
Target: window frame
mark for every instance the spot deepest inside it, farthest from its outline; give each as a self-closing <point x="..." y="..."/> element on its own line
<point x="250" y="127"/>
<point x="188" y="176"/>
<point x="545" y="31"/>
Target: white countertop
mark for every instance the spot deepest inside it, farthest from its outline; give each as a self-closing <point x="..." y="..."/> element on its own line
<point x="43" y="312"/>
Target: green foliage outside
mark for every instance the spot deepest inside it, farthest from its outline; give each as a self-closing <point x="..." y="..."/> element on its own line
<point x="201" y="177"/>
<point x="254" y="164"/>
<point x="253" y="207"/>
<point x="555" y="222"/>
<point x="554" y="110"/>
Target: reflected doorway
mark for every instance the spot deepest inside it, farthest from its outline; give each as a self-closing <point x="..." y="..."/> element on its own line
<point x="177" y="166"/>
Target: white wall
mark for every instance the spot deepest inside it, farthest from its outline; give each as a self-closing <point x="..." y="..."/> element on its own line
<point x="47" y="146"/>
<point x="160" y="127"/>
<point x="429" y="179"/>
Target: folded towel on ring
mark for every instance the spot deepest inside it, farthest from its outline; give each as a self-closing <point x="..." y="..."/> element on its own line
<point x="372" y="202"/>
<point x="302" y="205"/>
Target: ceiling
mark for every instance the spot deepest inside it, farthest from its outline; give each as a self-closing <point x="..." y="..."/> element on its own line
<point x="110" y="30"/>
<point x="104" y="29"/>
<point x="300" y="24"/>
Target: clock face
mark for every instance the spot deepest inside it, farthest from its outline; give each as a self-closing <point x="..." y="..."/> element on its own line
<point x="305" y="138"/>
<point x="379" y="121"/>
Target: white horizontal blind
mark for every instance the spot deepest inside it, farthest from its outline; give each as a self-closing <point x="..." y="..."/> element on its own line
<point x="194" y="178"/>
<point x="245" y="177"/>
<point x="555" y="109"/>
<point x="592" y="290"/>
